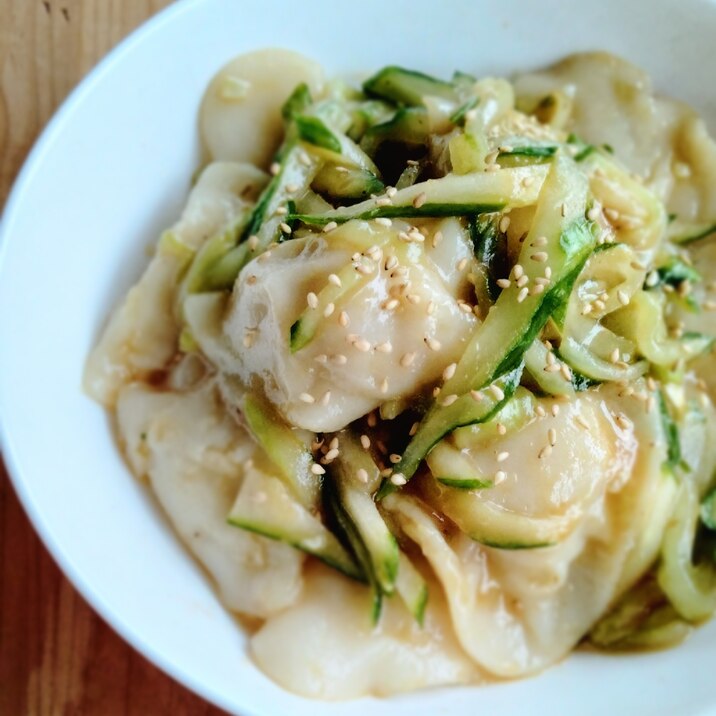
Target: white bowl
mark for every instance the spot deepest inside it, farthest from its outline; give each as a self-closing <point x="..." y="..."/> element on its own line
<point x="112" y="169"/>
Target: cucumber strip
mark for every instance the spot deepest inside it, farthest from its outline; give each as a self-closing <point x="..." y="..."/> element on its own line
<point x="367" y="114"/>
<point x="443" y="420"/>
<point x="551" y="382"/>
<point x="294" y="173"/>
<point x="458" y="117"/>
<point x="408" y="176"/>
<point x="331" y="145"/>
<point x="412" y="588"/>
<point x="347" y="527"/>
<point x="451" y="468"/>
<point x="355" y="497"/>
<point x="690" y="588"/>
<point x="409" y="126"/>
<point x="450" y="196"/>
<point x="577" y="355"/>
<point x="671" y="433"/>
<point x="515" y="321"/>
<point x="684" y="233"/>
<point x="298" y="101"/>
<point x="342" y="184"/>
<point x="265" y="506"/>
<point x="527" y="155"/>
<point x="708" y="510"/>
<point x="676" y="270"/>
<point x="467" y="152"/>
<point x="491" y="250"/>
<point x="407" y="87"/>
<point x="290" y="455"/>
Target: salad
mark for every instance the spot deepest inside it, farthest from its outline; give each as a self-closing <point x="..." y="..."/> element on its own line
<point x="423" y="376"/>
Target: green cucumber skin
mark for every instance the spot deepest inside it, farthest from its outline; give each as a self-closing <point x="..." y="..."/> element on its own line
<point x="671" y="432"/>
<point x="464" y="484"/>
<point x="406" y="87"/>
<point x="409" y="212"/>
<point x="686" y="240"/>
<point x="490" y="247"/>
<point x="299" y="100"/>
<point x="458" y="117"/>
<point x="349" y="570"/>
<point x="409" y="125"/>
<point x="510" y="545"/>
<point x="418" y="610"/>
<point x="314" y="131"/>
<point x="708" y="510"/>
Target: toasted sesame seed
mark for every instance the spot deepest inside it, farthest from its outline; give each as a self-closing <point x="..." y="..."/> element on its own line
<point x="476" y="395"/>
<point x="504" y="224"/>
<point x="339" y="359"/>
<point x="253" y="242"/>
<point x="362" y="475"/>
<point x="615" y="356"/>
<point x="420" y="199"/>
<point x="541" y="412"/>
<point x="449" y="371"/>
<point x="501" y="429"/>
<point x="384" y="385"/>
<point x="437" y="238"/>
<point x="555" y="410"/>
<point x="307" y="398"/>
<point x="518" y="271"/>
<point x="407" y="359"/>
<point x="362" y="345"/>
<point x="335" y="280"/>
<point x="316" y="469"/>
<point x="497" y="392"/>
<point x="581" y="422"/>
<point x="398" y="479"/>
<point x="432" y="343"/>
<point x="539" y="257"/>
<point x="566" y="372"/>
<point x="503" y="282"/>
<point x="414" y="429"/>
<point x="522" y="295"/>
<point x="546" y="451"/>
<point x="383" y="221"/>
<point x="285" y="227"/>
<point x="502" y="456"/>
<point x="552" y="436"/>
<point x="312" y="300"/>
<point x="275" y="168"/>
<point x="449" y="399"/>
<point x="522" y="281"/>
<point x="328" y="310"/>
<point x="385" y="347"/>
<point x="539" y="241"/>
<point x="623" y="422"/>
<point x="383" y="201"/>
<point x="413" y="298"/>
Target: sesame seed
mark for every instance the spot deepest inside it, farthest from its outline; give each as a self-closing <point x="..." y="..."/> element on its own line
<point x="539" y="241"/>
<point x="361" y="345"/>
<point x="330" y="226"/>
<point x="449" y="400"/>
<point x="326" y="398"/>
<point x="383" y="201"/>
<point x="518" y="271"/>
<point x="365" y="441"/>
<point x="502" y="456"/>
<point x="312" y="300"/>
<point x="390" y="263"/>
<point x="339" y="359"/>
<point x="253" y="242"/>
<point x="384" y="386"/>
<point x="541" y="412"/>
<point x="285" y="227"/>
<point x="552" y="436"/>
<point x="430" y="308"/>
<point x="623" y="297"/>
<point x="497" y="392"/>
<point x="407" y="359"/>
<point x="414" y="429"/>
<point x="546" y="451"/>
<point x="465" y="307"/>
<point x="383" y="221"/>
<point x="500" y="476"/>
<point x="501" y="429"/>
<point x="449" y="371"/>
<point x="386" y="347"/>
<point x="316" y="469"/>
<point x="432" y="343"/>
<point x="362" y="475"/>
<point x="330" y="456"/>
<point x="328" y="310"/>
<point x="581" y="422"/>
<point x="437" y="238"/>
<point x="307" y="398"/>
<point x="335" y="280"/>
<point x="419" y="200"/>
<point x="504" y="224"/>
<point x="322" y="358"/>
<point x="413" y="298"/>
<point x="623" y="422"/>
<point x="364" y="269"/>
<point x="398" y="479"/>
<point x="555" y="410"/>
<point x="436" y="391"/>
<point x="522" y="295"/>
<point x="343" y="319"/>
<point x="391" y="304"/>
<point x="522" y="281"/>
<point x="537" y="289"/>
<point x="539" y="257"/>
<point x="565" y="371"/>
<point x="503" y="282"/>
<point x="275" y="168"/>
<point x="476" y="395"/>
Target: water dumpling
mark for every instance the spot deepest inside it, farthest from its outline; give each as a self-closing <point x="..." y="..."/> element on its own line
<point x="334" y="324"/>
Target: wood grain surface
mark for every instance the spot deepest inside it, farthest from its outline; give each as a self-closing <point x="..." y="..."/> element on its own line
<point x="57" y="657"/>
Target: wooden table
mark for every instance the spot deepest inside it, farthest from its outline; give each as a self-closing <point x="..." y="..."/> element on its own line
<point x="57" y="657"/>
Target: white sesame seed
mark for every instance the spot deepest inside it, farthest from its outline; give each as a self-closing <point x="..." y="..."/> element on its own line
<point x="541" y="412"/>
<point x="330" y="456"/>
<point x="501" y="429"/>
<point x="419" y="200"/>
<point x="343" y="319"/>
<point x="361" y="345"/>
<point x="383" y="221"/>
<point x="432" y="343"/>
<point x="307" y="398"/>
<point x="398" y="479"/>
<point x="384" y="386"/>
<point x="285" y="227"/>
<point x="497" y="392"/>
<point x="386" y="347"/>
<point x="330" y="226"/>
<point x="546" y="451"/>
<point x="339" y="359"/>
<point x="504" y="224"/>
<point x="253" y="242"/>
<point x="328" y="310"/>
<point x="552" y="436"/>
<point x="503" y="282"/>
<point x="383" y="201"/>
<point x="413" y="298"/>
<point x="565" y="371"/>
<point x="437" y="238"/>
<point x="362" y="475"/>
<point x="312" y="300"/>
<point x="517" y="271"/>
<point x="449" y="399"/>
<point x="623" y="297"/>
<point x="391" y="304"/>
<point x="539" y="257"/>
<point x="275" y="168"/>
<point x="449" y="371"/>
<point x="581" y="422"/>
<point x="539" y="241"/>
<point x="500" y="476"/>
<point x="407" y="359"/>
<point x="522" y="295"/>
<point x="321" y="358"/>
<point x="316" y="469"/>
<point x="476" y="395"/>
<point x="390" y="263"/>
<point x="335" y="280"/>
<point x="502" y="456"/>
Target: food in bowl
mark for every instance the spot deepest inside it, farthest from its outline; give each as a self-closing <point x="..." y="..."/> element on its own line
<point x="423" y="375"/>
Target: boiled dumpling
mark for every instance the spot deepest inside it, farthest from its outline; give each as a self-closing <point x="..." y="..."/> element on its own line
<point x="193" y="454"/>
<point x="389" y="335"/>
<point x="141" y="336"/>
